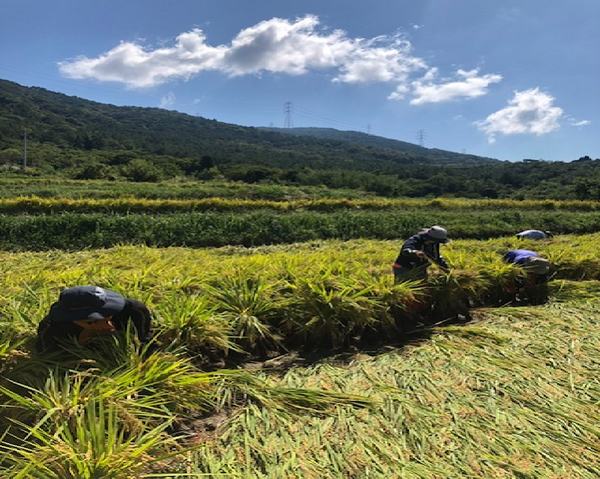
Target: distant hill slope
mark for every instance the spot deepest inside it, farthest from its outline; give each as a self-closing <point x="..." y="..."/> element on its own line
<point x="359" y="138"/>
<point x="72" y="123"/>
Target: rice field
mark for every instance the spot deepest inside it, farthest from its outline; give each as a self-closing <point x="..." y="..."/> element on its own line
<point x="513" y="395"/>
<point x="257" y="216"/>
<point x="305" y="360"/>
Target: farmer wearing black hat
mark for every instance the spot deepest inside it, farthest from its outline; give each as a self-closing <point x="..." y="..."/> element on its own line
<point x="87" y="312"/>
<point x="418" y="252"/>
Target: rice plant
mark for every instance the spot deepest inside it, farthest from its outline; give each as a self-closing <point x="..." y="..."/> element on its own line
<point x="399" y="307"/>
<point x="94" y="444"/>
<point x="451" y="293"/>
<point x="190" y="321"/>
<point x="238" y="385"/>
<point x="329" y="310"/>
<point x="251" y="305"/>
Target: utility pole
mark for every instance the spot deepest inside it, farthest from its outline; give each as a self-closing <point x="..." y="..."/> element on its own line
<point x="24" y="149"/>
<point x="421" y="137"/>
<point x="287" y="110"/>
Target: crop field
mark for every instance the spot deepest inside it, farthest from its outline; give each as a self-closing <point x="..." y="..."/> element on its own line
<point x="300" y="358"/>
<point x="514" y="392"/>
<point x="74" y="215"/>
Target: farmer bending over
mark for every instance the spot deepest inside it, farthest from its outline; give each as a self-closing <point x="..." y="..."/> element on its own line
<point x="87" y="312"/>
<point x="534" y="234"/>
<point x="418" y="252"/>
<point x="534" y="286"/>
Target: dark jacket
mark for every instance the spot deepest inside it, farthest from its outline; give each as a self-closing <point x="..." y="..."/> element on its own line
<point x="408" y="259"/>
<point x="51" y="332"/>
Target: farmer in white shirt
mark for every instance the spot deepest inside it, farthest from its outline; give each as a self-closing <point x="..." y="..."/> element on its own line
<point x="534" y="234"/>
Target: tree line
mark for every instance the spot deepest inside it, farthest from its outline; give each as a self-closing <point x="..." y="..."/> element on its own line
<point x="528" y="179"/>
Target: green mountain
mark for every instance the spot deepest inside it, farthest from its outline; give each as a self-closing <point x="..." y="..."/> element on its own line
<point x="74" y="126"/>
<point x="75" y="138"/>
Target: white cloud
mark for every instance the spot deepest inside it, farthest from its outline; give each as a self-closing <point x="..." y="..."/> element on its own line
<point x="468" y="84"/>
<point x="580" y="123"/>
<point x="529" y="112"/>
<point x="137" y="67"/>
<point x="391" y="62"/>
<point x="279" y="46"/>
<point x="168" y="100"/>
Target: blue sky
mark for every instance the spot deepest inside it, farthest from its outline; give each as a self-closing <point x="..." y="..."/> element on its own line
<point x="507" y="79"/>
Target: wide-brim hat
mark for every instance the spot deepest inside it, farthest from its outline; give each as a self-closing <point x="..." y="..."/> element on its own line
<point x="435" y="233"/>
<point x="537" y="265"/>
<point x="86" y="303"/>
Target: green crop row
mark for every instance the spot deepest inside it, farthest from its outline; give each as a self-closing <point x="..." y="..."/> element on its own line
<point x="38" y="205"/>
<point x="48" y="187"/>
<point x="77" y="231"/>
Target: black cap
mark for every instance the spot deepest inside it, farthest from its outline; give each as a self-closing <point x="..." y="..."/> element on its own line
<point x="86" y="302"/>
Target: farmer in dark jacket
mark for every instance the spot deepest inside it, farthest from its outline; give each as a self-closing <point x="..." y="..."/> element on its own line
<point x="86" y="312"/>
<point x="418" y="251"/>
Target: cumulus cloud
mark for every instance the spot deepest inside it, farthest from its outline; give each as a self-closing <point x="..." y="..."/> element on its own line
<point x="466" y="84"/>
<point x="381" y="59"/>
<point x="279" y="46"/>
<point x="138" y="67"/>
<point x="530" y="111"/>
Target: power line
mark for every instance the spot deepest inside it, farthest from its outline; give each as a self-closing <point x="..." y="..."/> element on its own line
<point x="318" y="118"/>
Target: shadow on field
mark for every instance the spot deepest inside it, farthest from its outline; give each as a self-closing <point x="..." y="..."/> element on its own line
<point x="367" y="344"/>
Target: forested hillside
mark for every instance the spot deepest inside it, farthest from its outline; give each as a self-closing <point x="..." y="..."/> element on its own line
<point x="440" y="156"/>
<point x="74" y="123"/>
<point x="79" y="139"/>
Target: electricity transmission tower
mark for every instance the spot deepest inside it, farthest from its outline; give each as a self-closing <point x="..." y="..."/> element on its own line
<point x="421" y="137"/>
<point x="287" y="110"/>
